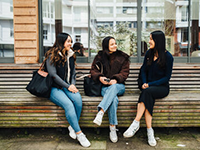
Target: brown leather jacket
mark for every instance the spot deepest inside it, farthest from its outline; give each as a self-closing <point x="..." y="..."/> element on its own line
<point x="118" y="66"/>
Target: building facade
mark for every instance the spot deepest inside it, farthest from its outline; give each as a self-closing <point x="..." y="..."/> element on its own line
<point x="27" y="28"/>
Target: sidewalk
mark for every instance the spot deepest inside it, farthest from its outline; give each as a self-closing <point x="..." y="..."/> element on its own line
<point x="54" y="139"/>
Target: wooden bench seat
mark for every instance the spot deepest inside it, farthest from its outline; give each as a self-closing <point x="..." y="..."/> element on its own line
<point x="18" y="108"/>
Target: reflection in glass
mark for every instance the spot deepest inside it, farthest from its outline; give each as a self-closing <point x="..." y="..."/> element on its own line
<point x="171" y="17"/>
<point x="6" y="29"/>
<point x="74" y="21"/>
<point x="118" y="18"/>
<point x="195" y="36"/>
<point x="119" y="21"/>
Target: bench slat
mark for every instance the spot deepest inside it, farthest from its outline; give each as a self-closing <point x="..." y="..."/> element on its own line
<point x="18" y="108"/>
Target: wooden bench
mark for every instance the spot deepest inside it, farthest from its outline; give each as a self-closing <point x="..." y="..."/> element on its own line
<point x="18" y="108"/>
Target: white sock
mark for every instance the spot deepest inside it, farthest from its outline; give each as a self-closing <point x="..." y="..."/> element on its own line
<point x="137" y="122"/>
<point x="101" y="112"/>
<point x="79" y="134"/>
<point x="112" y="128"/>
<point x="149" y="129"/>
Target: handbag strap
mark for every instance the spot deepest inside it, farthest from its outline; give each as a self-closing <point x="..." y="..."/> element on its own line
<point x="101" y="69"/>
<point x="42" y="65"/>
<point x="82" y="76"/>
<point x="85" y="75"/>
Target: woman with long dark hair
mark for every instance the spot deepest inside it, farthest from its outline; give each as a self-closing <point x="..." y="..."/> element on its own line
<point x="60" y="65"/>
<point x="155" y="74"/>
<point x="115" y="72"/>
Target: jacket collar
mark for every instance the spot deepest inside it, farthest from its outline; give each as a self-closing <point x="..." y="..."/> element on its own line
<point x="70" y="53"/>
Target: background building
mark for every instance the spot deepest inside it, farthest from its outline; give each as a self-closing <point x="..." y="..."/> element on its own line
<point x="28" y="29"/>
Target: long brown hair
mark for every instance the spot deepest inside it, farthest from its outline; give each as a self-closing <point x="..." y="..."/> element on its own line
<point x="159" y="39"/>
<point x="57" y="48"/>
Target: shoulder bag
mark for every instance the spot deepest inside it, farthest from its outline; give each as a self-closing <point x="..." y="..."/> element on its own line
<point x="91" y="87"/>
<point x="41" y="83"/>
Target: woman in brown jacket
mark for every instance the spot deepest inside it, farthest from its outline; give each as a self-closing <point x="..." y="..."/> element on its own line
<point x="115" y="72"/>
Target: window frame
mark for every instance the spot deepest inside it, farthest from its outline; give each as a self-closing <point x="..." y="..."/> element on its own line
<point x="139" y="58"/>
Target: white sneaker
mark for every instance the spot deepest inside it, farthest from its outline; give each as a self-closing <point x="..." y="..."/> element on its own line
<point x="113" y="134"/>
<point x="83" y="140"/>
<point x="134" y="127"/>
<point x="98" y="118"/>
<point x="72" y="133"/>
<point x="151" y="138"/>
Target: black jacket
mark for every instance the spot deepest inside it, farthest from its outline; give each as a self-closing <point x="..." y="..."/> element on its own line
<point x="60" y="73"/>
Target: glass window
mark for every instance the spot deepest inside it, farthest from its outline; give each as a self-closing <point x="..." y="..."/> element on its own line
<point x="11" y="29"/>
<point x="48" y="9"/>
<point x="195" y="31"/>
<point x="11" y="7"/>
<point x="45" y="34"/>
<point x="1" y="7"/>
<point x="74" y="21"/>
<point x="80" y="14"/>
<point x="129" y="10"/>
<point x="104" y="10"/>
<point x="6" y="50"/>
<point x="118" y="18"/>
<point x="184" y="35"/>
<point x="170" y="17"/>
<point x="45" y="9"/>
<point x="104" y="24"/>
<point x="78" y="38"/>
<point x="52" y="11"/>
<point x="184" y="13"/>
<point x="6" y="30"/>
<point x="0" y="33"/>
<point x="119" y="21"/>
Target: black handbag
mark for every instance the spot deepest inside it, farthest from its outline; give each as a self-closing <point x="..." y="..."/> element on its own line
<point x="41" y="83"/>
<point x="91" y="87"/>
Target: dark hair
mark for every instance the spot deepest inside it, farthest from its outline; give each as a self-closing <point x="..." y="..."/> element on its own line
<point x="159" y="39"/>
<point x="78" y="46"/>
<point x="106" y="54"/>
<point x="60" y="40"/>
<point x="58" y="47"/>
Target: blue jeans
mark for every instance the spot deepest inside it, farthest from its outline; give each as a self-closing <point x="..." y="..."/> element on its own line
<point x="70" y="102"/>
<point x="110" y="100"/>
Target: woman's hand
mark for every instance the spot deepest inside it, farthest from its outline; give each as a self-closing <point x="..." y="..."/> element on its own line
<point x="102" y="80"/>
<point x="72" y="88"/>
<point x="113" y="81"/>
<point x="145" y="85"/>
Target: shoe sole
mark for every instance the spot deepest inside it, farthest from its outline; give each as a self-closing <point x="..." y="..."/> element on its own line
<point x="85" y="146"/>
<point x="72" y="137"/>
<point x="152" y="144"/>
<point x="131" y="135"/>
<point x="114" y="141"/>
<point x="97" y="122"/>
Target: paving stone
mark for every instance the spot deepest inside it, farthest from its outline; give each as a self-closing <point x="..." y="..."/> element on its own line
<point x="53" y="139"/>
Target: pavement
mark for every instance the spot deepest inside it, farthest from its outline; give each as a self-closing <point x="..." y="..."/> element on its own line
<point x="58" y="139"/>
